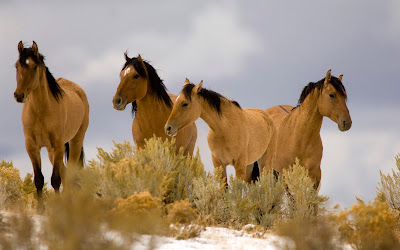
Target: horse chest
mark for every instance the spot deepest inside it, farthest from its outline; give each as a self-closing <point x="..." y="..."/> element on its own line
<point x="222" y="147"/>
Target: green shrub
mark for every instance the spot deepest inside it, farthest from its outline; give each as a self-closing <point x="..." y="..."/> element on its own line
<point x="156" y="169"/>
<point x="267" y="195"/>
<point x="389" y="187"/>
<point x="209" y="198"/>
<point x="302" y="199"/>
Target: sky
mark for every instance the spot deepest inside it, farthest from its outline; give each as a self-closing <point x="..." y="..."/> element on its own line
<point x="259" y="53"/>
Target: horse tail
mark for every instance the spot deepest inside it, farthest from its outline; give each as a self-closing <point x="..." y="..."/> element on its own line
<point x="81" y="162"/>
<point x="66" y="152"/>
<point x="255" y="174"/>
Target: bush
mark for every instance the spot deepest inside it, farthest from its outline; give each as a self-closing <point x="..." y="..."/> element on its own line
<point x="209" y="198"/>
<point x="181" y="212"/>
<point x="318" y="233"/>
<point x="156" y="169"/>
<point x="369" y="226"/>
<point x="389" y="187"/>
<point x="10" y="185"/>
<point x="302" y="199"/>
<point x="140" y="213"/>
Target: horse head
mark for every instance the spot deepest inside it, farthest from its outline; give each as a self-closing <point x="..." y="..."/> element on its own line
<point x="187" y="108"/>
<point x="28" y="65"/>
<point x="134" y="82"/>
<point x="332" y="102"/>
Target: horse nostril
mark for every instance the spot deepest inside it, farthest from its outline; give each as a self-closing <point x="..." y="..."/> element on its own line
<point x="119" y="100"/>
<point x="19" y="97"/>
<point x="168" y="128"/>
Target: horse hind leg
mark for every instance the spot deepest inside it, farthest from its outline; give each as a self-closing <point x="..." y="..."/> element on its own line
<point x="34" y="155"/>
<point x="58" y="167"/>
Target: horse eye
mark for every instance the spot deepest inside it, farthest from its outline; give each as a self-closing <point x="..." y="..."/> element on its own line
<point x="331" y="95"/>
<point x="185" y="105"/>
<point x="136" y="76"/>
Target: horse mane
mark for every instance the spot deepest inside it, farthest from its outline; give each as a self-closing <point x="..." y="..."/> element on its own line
<point x="156" y="82"/>
<point x="213" y="98"/>
<point x="335" y="82"/>
<point x="54" y="87"/>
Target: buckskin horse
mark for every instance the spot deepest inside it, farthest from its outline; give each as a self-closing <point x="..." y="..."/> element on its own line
<point x="55" y="115"/>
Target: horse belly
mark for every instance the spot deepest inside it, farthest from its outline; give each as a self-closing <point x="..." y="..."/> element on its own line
<point x="75" y="113"/>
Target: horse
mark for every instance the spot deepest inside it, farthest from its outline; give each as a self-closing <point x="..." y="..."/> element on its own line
<point x="237" y="137"/>
<point x="55" y="115"/>
<point x="298" y="128"/>
<point x="151" y="104"/>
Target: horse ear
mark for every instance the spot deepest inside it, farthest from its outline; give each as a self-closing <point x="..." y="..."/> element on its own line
<point x="35" y="49"/>
<point x="328" y="76"/>
<point x="20" y="47"/>
<point x="126" y="56"/>
<point x="340" y="77"/>
<point x="186" y="82"/>
<point x="198" y="87"/>
<point x="140" y="58"/>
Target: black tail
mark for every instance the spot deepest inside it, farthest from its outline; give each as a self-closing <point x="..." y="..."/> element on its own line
<point x="255" y="174"/>
<point x="66" y="152"/>
<point x="81" y="161"/>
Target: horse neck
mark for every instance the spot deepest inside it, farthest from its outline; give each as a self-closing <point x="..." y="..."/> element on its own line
<point x="150" y="109"/>
<point x="39" y="98"/>
<point x="217" y="122"/>
<point x="309" y="119"/>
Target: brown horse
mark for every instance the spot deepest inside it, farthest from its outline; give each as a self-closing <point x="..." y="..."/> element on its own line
<point x="151" y="104"/>
<point x="298" y="128"/>
<point x="55" y="115"/>
<point x="237" y="136"/>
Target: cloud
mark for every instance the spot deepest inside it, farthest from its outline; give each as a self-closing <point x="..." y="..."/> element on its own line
<point x="215" y="45"/>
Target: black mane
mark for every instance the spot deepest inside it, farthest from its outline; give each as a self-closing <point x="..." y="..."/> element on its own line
<point x="335" y="82"/>
<point x="213" y="98"/>
<point x="55" y="89"/>
<point x="155" y="81"/>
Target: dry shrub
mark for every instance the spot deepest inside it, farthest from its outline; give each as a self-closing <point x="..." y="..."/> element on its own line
<point x="389" y="187"/>
<point x="10" y="185"/>
<point x="318" y="233"/>
<point x="156" y="169"/>
<point x="15" y="192"/>
<point x="17" y="231"/>
<point x="75" y="221"/>
<point x="181" y="212"/>
<point x="369" y="226"/>
<point x="302" y="199"/>
<point x="140" y="213"/>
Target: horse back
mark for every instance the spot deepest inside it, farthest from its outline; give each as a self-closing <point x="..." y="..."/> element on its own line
<point x="278" y="113"/>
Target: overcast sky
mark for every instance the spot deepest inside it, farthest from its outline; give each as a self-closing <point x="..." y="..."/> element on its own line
<point x="259" y="53"/>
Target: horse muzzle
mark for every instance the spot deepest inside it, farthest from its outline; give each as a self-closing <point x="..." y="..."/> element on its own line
<point x="344" y="125"/>
<point x="21" y="98"/>
<point x="170" y="131"/>
<point x="119" y="103"/>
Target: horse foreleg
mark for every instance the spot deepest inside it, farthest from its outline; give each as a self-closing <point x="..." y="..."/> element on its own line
<point x="34" y="155"/>
<point x="58" y="167"/>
